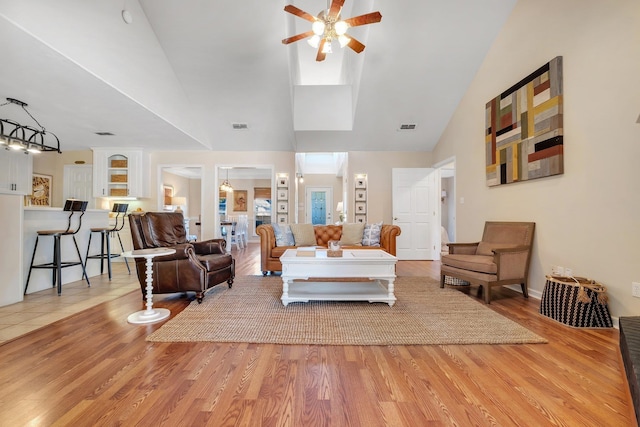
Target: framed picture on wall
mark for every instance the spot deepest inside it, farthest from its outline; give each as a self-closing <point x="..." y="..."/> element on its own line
<point x="283" y="218"/>
<point x="361" y="195"/>
<point x="283" y="194"/>
<point x="361" y="219"/>
<point x="361" y="183"/>
<point x="240" y="200"/>
<point x="41" y="190"/>
<point x="361" y="208"/>
<point x="282" y="207"/>
<point x="283" y="181"/>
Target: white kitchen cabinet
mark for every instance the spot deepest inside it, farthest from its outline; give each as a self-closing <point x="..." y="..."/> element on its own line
<point x="119" y="173"/>
<point x="16" y="169"/>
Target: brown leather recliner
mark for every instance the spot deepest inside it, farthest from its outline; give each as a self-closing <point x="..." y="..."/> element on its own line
<point x="196" y="266"/>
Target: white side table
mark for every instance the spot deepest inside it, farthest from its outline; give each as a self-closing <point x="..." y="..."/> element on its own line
<point x="150" y="315"/>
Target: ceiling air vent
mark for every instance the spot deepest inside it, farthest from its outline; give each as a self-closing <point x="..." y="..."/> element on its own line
<point x="407" y="126"/>
<point x="104" y="133"/>
<point x="240" y="126"/>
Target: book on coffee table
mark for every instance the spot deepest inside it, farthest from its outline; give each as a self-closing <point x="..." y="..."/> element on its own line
<point x="309" y="251"/>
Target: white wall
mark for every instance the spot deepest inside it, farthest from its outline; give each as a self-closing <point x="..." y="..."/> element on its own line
<point x="588" y="218"/>
<point x="12" y="283"/>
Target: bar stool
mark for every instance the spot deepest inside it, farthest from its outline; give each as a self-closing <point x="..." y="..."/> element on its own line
<point x="57" y="264"/>
<point x="105" y="240"/>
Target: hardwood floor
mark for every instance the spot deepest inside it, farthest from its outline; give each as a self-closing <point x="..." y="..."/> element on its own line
<point x="94" y="368"/>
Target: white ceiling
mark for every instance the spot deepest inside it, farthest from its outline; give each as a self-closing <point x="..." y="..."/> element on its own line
<point x="185" y="70"/>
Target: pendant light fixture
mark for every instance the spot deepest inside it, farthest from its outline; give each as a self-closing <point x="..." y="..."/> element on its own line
<point x="29" y="139"/>
<point x="226" y="186"/>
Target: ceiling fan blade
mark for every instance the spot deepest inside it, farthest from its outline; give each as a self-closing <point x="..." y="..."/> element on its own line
<point x="369" y="18"/>
<point x="297" y="37"/>
<point x="355" y="45"/>
<point x="321" y="55"/>
<point x="300" y="13"/>
<point x="336" y="7"/>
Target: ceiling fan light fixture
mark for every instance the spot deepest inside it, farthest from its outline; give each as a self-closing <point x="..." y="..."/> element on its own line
<point x="340" y="27"/>
<point x="318" y="27"/>
<point x="327" y="47"/>
<point x="344" y="40"/>
<point x="314" y="41"/>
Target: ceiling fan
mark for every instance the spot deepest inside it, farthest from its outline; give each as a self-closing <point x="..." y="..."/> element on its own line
<point x="328" y="26"/>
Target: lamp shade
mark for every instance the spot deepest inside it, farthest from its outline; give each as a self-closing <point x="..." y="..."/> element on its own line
<point x="178" y="201"/>
<point x="340" y="207"/>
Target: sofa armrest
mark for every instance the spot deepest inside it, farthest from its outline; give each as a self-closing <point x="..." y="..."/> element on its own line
<point x="463" y="248"/>
<point x="212" y="246"/>
<point x="388" y="235"/>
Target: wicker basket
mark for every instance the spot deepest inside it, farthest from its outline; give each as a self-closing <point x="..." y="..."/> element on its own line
<point x="334" y="254"/>
<point x="119" y="178"/>
<point x="118" y="192"/>
<point x="119" y="163"/>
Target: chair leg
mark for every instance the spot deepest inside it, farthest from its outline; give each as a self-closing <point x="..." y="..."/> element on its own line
<point x="84" y="270"/>
<point x="525" y="292"/>
<point x="86" y="258"/>
<point x="126" y="261"/>
<point x="442" y="280"/>
<point x="58" y="262"/>
<point x="487" y="294"/>
<point x="108" y="241"/>
<point x="33" y="257"/>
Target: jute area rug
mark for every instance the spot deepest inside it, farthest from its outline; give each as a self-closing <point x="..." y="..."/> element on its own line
<point x="251" y="312"/>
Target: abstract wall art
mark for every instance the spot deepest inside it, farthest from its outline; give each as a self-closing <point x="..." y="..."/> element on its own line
<point x="524" y="130"/>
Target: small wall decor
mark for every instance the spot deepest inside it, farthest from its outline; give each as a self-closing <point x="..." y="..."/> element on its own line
<point x="167" y="195"/>
<point x="361" y="208"/>
<point x="360" y="198"/>
<point x="41" y="190"/>
<point x="282" y="207"/>
<point x="524" y="128"/>
<point x="283" y="182"/>
<point x="240" y="201"/>
<point x="283" y="194"/>
<point x="283" y="218"/>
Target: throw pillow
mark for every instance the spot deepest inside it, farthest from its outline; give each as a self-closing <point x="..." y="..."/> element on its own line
<point x="371" y="234"/>
<point x="284" y="236"/>
<point x="303" y="234"/>
<point x="486" y="248"/>
<point x="352" y="234"/>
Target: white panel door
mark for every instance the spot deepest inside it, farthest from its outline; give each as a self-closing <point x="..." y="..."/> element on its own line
<point x="78" y="184"/>
<point x="414" y="211"/>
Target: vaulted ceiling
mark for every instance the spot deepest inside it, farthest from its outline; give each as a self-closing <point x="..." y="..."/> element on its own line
<point x="184" y="71"/>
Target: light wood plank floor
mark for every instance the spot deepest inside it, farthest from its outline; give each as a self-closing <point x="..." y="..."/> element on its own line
<point x="93" y="368"/>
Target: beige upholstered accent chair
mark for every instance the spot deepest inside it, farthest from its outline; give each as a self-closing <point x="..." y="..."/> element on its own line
<point x="501" y="258"/>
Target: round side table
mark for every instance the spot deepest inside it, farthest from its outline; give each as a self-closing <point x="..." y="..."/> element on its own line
<point x="150" y="315"/>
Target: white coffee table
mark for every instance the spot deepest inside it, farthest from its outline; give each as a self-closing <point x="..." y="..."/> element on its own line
<point x="374" y="264"/>
<point x="150" y="315"/>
